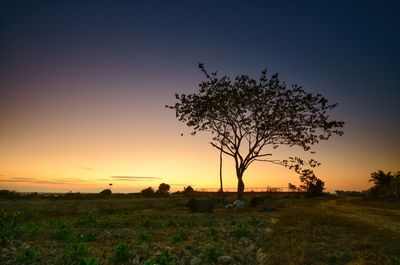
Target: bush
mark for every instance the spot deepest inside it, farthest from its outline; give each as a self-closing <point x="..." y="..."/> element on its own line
<point x="106" y="192"/>
<point x="148" y="192"/>
<point x="121" y="254"/>
<point x="188" y="189"/>
<point x="8" y="226"/>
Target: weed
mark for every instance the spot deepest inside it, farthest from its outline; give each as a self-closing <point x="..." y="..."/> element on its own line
<point x="164" y="259"/>
<point x="121" y="254"/>
<point x="88" y="220"/>
<point x="240" y="230"/>
<point x="171" y="223"/>
<point x="89" y="261"/>
<point x="27" y="256"/>
<point x="179" y="237"/>
<point x="73" y="253"/>
<point x="254" y="220"/>
<point x="89" y="236"/>
<point x="146" y="223"/>
<point x="8" y="226"/>
<point x="191" y="221"/>
<point x="211" y="254"/>
<point x="144" y="238"/>
<point x="213" y="233"/>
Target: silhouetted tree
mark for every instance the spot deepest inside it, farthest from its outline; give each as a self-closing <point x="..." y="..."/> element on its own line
<point x="163" y="189"/>
<point x="386" y="185"/>
<point x="311" y="184"/>
<point x="380" y="178"/>
<point x="246" y="115"/>
<point x="148" y="192"/>
<point x="292" y="187"/>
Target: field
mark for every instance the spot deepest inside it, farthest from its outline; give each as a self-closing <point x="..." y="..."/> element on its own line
<point x="285" y="229"/>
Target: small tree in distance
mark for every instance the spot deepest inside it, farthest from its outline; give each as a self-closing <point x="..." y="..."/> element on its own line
<point x="246" y="115"/>
<point x="163" y="189"/>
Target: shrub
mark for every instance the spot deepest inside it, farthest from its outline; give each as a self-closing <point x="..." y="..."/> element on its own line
<point x="188" y="189"/>
<point x="8" y="226"/>
<point x="121" y="254"/>
<point x="148" y="192"/>
<point x="164" y="259"/>
<point x="211" y="254"/>
<point x="106" y="192"/>
<point x="74" y="252"/>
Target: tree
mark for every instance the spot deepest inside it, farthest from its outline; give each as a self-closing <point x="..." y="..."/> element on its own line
<point x="292" y="188"/>
<point x="163" y="189"/>
<point x="386" y="185"/>
<point x="311" y="184"/>
<point x="246" y="115"/>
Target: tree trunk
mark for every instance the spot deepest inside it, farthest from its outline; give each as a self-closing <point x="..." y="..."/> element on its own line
<point x="240" y="188"/>
<point x="220" y="176"/>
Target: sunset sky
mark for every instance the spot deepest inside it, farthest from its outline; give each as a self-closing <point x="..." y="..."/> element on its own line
<point x="83" y="85"/>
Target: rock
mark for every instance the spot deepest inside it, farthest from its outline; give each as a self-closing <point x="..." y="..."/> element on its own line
<point x="195" y="261"/>
<point x="200" y="206"/>
<point x="225" y="260"/>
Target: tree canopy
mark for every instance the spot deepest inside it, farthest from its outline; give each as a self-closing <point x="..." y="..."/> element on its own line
<point x="246" y="115"/>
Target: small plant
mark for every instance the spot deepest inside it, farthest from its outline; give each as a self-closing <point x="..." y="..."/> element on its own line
<point x="144" y="238"/>
<point x="146" y="223"/>
<point x="121" y="254"/>
<point x="74" y="252"/>
<point x="240" y="230"/>
<point x="88" y="220"/>
<point x="233" y="221"/>
<point x="27" y="256"/>
<point x="171" y="223"/>
<point x="89" y="236"/>
<point x="191" y="221"/>
<point x="8" y="226"/>
<point x="89" y="261"/>
<point x="211" y="254"/>
<point x="254" y="220"/>
<point x="179" y="237"/>
<point x="213" y="233"/>
<point x="164" y="259"/>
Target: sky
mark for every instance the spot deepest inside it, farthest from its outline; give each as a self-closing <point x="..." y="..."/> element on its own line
<point x="83" y="85"/>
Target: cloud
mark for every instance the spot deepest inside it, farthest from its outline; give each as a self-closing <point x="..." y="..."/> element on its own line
<point x="87" y="168"/>
<point x="32" y="180"/>
<point x="133" y="178"/>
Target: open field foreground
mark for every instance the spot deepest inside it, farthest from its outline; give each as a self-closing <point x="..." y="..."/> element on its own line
<point x="286" y="229"/>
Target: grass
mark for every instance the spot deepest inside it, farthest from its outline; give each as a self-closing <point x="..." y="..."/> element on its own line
<point x="330" y="230"/>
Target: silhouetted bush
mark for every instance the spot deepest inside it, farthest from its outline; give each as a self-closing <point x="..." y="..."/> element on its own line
<point x="256" y="201"/>
<point x="148" y="192"/>
<point x="200" y="206"/>
<point x="188" y="189"/>
<point x="106" y="192"/>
